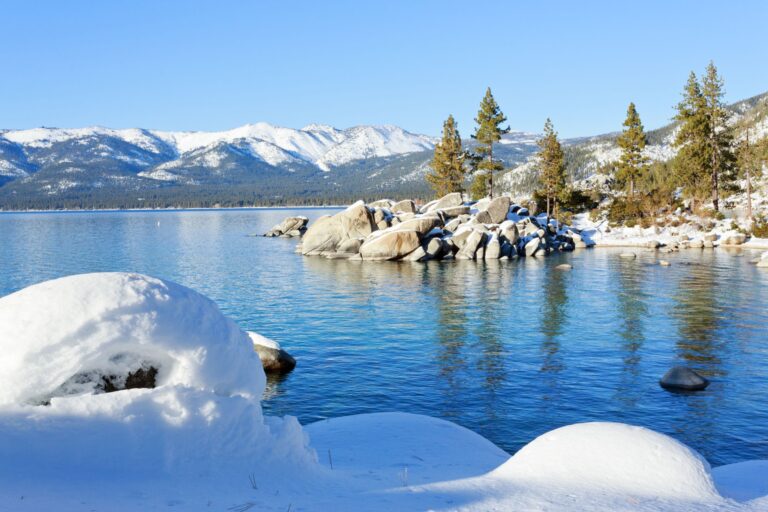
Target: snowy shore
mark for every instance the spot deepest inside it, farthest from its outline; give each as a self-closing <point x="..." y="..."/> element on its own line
<point x="123" y="392"/>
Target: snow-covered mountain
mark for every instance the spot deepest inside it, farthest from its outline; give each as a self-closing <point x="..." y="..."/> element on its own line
<point x="71" y="163"/>
<point x="97" y="166"/>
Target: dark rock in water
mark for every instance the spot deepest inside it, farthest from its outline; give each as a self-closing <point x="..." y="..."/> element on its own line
<point x="683" y="378"/>
<point x="275" y="360"/>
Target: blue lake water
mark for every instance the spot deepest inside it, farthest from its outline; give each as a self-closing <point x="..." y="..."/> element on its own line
<point x="509" y="349"/>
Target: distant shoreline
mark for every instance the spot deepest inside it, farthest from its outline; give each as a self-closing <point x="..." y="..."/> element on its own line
<point x="106" y="210"/>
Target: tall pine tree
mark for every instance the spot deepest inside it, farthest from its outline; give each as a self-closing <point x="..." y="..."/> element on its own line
<point x="720" y="153"/>
<point x="551" y="162"/>
<point x="448" y="162"/>
<point x="489" y="131"/>
<point x="691" y="140"/>
<point x="633" y="164"/>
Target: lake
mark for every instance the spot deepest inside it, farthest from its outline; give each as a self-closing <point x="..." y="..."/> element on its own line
<point x="510" y="349"/>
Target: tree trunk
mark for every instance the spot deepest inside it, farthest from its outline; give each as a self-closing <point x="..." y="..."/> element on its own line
<point x="490" y="170"/>
<point x="632" y="189"/>
<point x="749" y="199"/>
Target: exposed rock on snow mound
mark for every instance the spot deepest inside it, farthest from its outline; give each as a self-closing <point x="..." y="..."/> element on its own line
<point x="615" y="458"/>
<point x="93" y="333"/>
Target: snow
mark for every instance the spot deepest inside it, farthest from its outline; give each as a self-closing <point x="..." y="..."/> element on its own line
<point x="612" y="458"/>
<point x="258" y="339"/>
<point x="198" y="440"/>
<point x="113" y="323"/>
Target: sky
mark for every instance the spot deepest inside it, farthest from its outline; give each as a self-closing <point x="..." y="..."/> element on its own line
<point x="193" y="65"/>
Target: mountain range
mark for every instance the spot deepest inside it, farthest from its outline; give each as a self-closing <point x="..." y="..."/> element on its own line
<point x="262" y="164"/>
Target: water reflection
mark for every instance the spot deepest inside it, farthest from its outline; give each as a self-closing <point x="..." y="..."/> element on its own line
<point x="698" y="316"/>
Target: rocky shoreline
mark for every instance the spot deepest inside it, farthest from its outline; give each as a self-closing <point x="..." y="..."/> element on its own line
<point x="450" y="228"/>
<point x="447" y="228"/>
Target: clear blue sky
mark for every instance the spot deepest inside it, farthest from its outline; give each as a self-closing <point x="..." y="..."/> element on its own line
<point x="219" y="64"/>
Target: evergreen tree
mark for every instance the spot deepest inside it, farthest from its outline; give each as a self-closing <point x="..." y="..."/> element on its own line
<point x="750" y="166"/>
<point x="691" y="162"/>
<point x="448" y="162"/>
<point x="633" y="164"/>
<point x="489" y="131"/>
<point x="720" y="153"/>
<point x="551" y="163"/>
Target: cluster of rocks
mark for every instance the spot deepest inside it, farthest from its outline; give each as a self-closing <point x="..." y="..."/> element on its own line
<point x="446" y="228"/>
<point x="709" y="240"/>
<point x="289" y="227"/>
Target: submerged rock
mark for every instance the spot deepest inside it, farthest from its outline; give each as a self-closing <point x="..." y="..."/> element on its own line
<point x="681" y="377"/>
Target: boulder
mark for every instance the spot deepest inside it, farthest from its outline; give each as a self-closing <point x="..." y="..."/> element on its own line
<point x="532" y="246"/>
<point x="498" y="209"/>
<point x="435" y="248"/>
<point x="653" y="244"/>
<point x="381" y="203"/>
<point x="564" y="266"/>
<point x="710" y="237"/>
<point x="683" y="378"/>
<point x="421" y="225"/>
<point x="390" y="246"/>
<point x="473" y="241"/>
<point x="628" y="255"/>
<point x="289" y="225"/>
<point x="696" y="244"/>
<point x="405" y="206"/>
<point x="273" y="358"/>
<point x="664" y="263"/>
<point x="327" y="232"/>
<point x="453" y="224"/>
<point x="351" y="246"/>
<point x="447" y="201"/>
<point x="509" y="232"/>
<point x="492" y="249"/>
<point x="484" y="218"/>
<point x="453" y="211"/>
<point x="735" y="239"/>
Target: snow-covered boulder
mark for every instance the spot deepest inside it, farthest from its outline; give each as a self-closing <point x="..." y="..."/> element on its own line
<point x="612" y="458"/>
<point x="66" y="336"/>
<point x="273" y="358"/>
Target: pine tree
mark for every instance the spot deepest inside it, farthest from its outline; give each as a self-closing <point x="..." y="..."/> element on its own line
<point x="691" y="162"/>
<point x="488" y="131"/>
<point x="551" y="163"/>
<point x="720" y="154"/>
<point x="448" y="161"/>
<point x="750" y="166"/>
<point x="633" y="164"/>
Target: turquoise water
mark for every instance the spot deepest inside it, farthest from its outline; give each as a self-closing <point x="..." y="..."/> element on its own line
<point x="508" y="349"/>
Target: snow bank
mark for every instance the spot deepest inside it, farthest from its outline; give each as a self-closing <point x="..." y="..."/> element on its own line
<point x="196" y="436"/>
<point x="70" y="348"/>
<point x="612" y="458"/>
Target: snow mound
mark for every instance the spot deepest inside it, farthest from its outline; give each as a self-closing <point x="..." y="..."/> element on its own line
<point x="118" y="373"/>
<point x="88" y="333"/>
<point x="612" y="458"/>
<point x="387" y="447"/>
